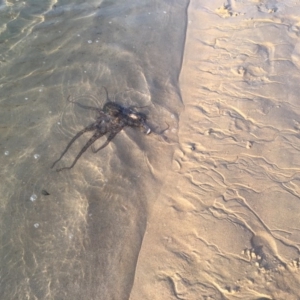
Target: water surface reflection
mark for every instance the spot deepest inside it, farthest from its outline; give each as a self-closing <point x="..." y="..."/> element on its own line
<point x="83" y="239"/>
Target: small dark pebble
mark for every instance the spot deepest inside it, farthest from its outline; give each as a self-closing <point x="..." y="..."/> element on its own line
<point x="45" y="193"/>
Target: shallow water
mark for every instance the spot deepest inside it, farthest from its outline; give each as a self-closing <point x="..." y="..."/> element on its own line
<point x="82" y="241"/>
<point x="210" y="214"/>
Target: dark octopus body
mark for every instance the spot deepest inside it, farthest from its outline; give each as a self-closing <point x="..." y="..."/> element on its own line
<point x="110" y="121"/>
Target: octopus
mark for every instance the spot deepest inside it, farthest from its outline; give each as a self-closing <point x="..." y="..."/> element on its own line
<point x="111" y="119"/>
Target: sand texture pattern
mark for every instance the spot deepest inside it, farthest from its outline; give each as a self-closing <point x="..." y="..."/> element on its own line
<point x="227" y="224"/>
<point x="211" y="211"/>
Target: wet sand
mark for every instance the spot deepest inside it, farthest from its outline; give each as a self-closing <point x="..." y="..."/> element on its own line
<point x="226" y="225"/>
<point x="211" y="214"/>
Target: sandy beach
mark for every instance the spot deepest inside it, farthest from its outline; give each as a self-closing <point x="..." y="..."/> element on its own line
<point x="207" y="207"/>
<point x="226" y="225"/>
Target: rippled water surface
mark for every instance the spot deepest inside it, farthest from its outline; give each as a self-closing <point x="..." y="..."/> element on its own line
<point x="82" y="240"/>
